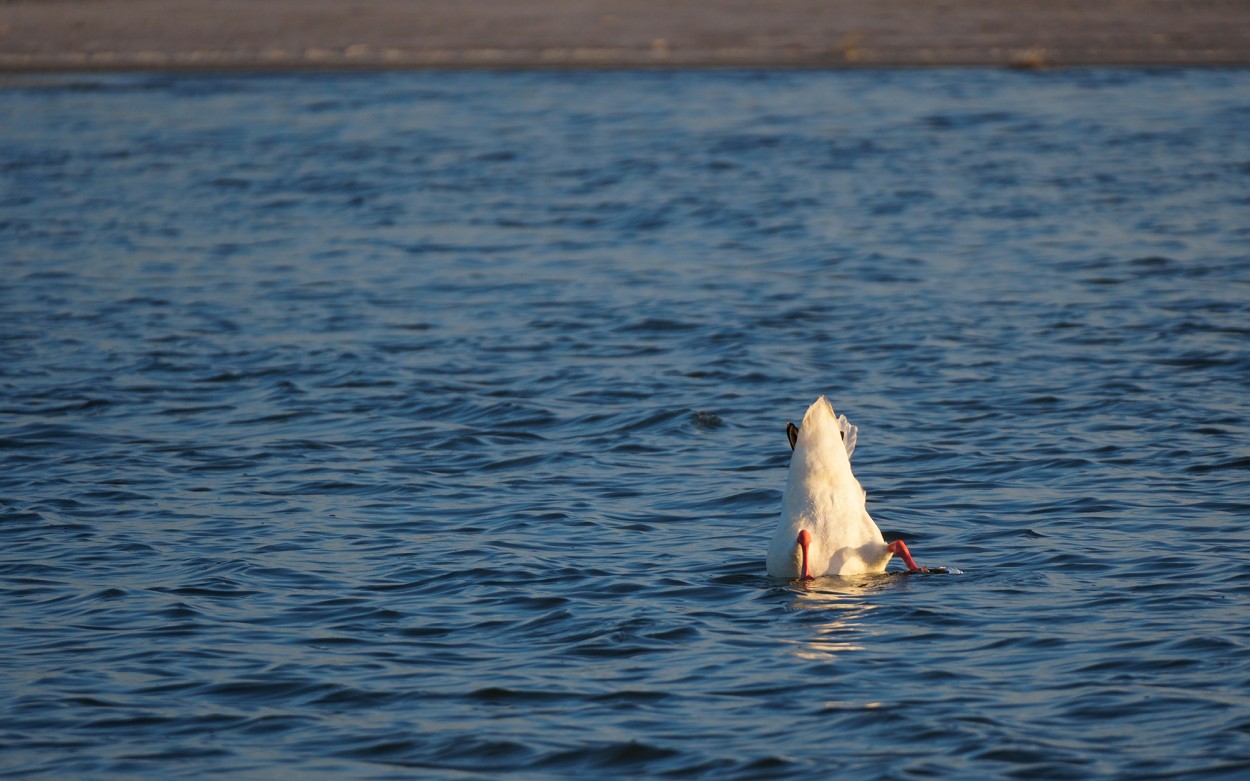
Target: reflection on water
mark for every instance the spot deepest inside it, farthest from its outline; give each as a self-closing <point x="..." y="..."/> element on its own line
<point x="840" y="607"/>
<point x="837" y="636"/>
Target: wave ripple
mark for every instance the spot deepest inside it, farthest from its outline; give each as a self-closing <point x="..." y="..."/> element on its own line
<point x="432" y="424"/>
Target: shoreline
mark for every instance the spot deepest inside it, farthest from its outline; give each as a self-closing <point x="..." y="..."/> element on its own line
<point x="296" y="35"/>
<point x="211" y="62"/>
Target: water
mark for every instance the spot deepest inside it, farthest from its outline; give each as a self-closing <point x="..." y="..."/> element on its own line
<point x="432" y="425"/>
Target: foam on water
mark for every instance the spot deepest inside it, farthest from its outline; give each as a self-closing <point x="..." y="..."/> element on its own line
<point x="432" y="424"/>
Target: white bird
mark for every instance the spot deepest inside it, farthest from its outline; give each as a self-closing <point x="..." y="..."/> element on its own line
<point x="824" y="527"/>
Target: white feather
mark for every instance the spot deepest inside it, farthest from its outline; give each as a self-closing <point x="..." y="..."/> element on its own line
<point x="823" y="497"/>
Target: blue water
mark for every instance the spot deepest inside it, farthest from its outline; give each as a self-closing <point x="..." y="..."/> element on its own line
<point x="432" y="425"/>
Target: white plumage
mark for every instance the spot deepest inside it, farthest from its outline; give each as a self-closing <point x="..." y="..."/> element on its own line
<point x="824" y="500"/>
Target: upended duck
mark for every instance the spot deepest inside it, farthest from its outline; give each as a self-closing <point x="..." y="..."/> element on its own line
<point x="824" y="527"/>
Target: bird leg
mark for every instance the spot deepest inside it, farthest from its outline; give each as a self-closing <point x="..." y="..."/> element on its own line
<point x="899" y="548"/>
<point x="805" y="539"/>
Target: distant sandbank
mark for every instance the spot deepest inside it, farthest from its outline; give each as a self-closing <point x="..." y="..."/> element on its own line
<point x="44" y="35"/>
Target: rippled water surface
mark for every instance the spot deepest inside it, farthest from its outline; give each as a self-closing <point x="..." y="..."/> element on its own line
<point x="432" y="425"/>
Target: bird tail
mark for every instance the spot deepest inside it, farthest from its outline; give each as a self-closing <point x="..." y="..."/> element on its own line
<point x="850" y="433"/>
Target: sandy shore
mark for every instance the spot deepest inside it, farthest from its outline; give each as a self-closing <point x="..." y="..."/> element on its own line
<point x="293" y="34"/>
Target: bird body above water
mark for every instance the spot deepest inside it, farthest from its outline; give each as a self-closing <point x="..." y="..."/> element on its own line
<point x="825" y="528"/>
